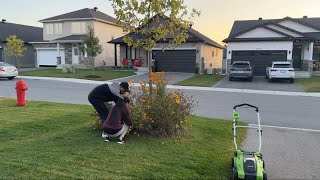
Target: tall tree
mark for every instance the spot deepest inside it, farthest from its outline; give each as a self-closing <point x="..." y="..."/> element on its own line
<point x="92" y="47"/>
<point x="151" y="21"/>
<point x="15" y="47"/>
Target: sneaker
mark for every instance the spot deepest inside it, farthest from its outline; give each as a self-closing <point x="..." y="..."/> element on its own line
<point x="107" y="139"/>
<point x="104" y="135"/>
<point x="121" y="141"/>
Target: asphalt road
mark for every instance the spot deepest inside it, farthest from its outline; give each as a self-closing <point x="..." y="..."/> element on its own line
<point x="289" y="153"/>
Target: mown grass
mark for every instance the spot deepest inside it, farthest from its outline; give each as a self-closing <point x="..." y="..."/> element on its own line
<point x="310" y="84"/>
<point x="54" y="141"/>
<point x="202" y="80"/>
<point x="80" y="74"/>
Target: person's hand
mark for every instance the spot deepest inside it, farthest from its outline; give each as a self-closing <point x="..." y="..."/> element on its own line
<point x="125" y="94"/>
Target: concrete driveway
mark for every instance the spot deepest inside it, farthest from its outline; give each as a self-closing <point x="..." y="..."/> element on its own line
<point x="259" y="83"/>
<point x="177" y="77"/>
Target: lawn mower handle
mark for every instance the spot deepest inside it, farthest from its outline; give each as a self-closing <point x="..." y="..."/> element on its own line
<point x="240" y="105"/>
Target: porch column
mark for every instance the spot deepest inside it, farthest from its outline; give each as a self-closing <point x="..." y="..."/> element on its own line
<point x="311" y="51"/>
<point x="58" y="49"/>
<point x="135" y="53"/>
<point x="126" y="51"/>
<point x="59" y="56"/>
<point x="130" y="52"/>
<point x="115" y="55"/>
<point x="310" y="60"/>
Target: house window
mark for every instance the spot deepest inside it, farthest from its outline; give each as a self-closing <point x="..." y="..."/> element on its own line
<point x="58" y="28"/>
<point x="53" y="28"/>
<point x="49" y="28"/>
<point x="78" y="27"/>
<point x="316" y="52"/>
<point x="217" y="51"/>
<point x="212" y="54"/>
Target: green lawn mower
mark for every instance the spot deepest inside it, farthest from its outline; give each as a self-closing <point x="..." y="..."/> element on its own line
<point x="247" y="165"/>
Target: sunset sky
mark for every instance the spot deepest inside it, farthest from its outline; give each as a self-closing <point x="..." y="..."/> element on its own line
<point x="217" y="16"/>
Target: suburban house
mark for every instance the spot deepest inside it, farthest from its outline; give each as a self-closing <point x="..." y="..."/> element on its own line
<point x="27" y="34"/>
<point x="296" y="40"/>
<point x="197" y="50"/>
<point x="62" y="36"/>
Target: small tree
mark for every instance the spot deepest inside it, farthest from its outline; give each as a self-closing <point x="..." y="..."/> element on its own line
<point x="92" y="47"/>
<point x="136" y="17"/>
<point x="15" y="47"/>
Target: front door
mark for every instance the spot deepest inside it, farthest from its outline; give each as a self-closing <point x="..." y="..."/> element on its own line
<point x="75" y="55"/>
<point x="296" y="56"/>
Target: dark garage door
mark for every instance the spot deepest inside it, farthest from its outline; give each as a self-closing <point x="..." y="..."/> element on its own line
<point x="259" y="59"/>
<point x="175" y="60"/>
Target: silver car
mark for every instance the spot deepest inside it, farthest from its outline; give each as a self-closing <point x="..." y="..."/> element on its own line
<point x="241" y="69"/>
<point x="8" y="71"/>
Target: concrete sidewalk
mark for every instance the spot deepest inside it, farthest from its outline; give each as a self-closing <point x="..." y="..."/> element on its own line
<point x="250" y="91"/>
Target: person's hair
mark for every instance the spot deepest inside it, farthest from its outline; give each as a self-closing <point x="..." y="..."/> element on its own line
<point x="119" y="109"/>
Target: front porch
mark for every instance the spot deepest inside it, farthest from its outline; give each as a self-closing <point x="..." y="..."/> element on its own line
<point x="131" y="57"/>
<point x="306" y="57"/>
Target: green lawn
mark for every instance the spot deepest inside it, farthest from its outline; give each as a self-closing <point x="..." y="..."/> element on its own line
<point x="80" y="74"/>
<point x="310" y="84"/>
<point x="202" y="80"/>
<point x="54" y="141"/>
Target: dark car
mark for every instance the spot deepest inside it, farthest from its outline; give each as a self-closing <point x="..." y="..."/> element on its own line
<point x="241" y="69"/>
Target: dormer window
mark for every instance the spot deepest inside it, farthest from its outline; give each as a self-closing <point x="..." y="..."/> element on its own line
<point x="78" y="27"/>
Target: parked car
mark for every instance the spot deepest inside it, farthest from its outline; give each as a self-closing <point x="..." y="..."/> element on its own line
<point x="241" y="69"/>
<point x="280" y="70"/>
<point x="8" y="71"/>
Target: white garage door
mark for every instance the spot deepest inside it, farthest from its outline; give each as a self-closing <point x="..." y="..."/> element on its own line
<point x="48" y="57"/>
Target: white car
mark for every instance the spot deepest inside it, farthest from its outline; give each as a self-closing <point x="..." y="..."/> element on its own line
<point x="280" y="70"/>
<point x="8" y="71"/>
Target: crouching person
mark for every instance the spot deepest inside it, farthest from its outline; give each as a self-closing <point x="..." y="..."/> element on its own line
<point x="118" y="121"/>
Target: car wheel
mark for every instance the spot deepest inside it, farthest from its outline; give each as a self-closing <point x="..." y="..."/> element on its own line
<point x="266" y="77"/>
<point x="291" y="80"/>
<point x="10" y="78"/>
<point x="270" y="80"/>
<point x="250" y="79"/>
<point x="230" y="78"/>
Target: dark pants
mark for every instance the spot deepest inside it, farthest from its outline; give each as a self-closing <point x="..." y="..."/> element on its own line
<point x="98" y="96"/>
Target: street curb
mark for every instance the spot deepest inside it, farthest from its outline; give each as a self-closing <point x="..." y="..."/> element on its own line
<point x="212" y="89"/>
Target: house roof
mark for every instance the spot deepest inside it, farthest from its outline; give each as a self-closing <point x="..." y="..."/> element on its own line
<point x="194" y="36"/>
<point x="204" y="38"/>
<point x="71" y="38"/>
<point x="85" y="13"/>
<point x="240" y="27"/>
<point x="24" y="32"/>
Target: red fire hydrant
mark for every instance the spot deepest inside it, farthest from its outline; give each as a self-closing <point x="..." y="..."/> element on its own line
<point x="21" y="88"/>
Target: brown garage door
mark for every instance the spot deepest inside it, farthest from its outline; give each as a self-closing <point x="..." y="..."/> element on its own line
<point x="260" y="60"/>
<point x="175" y="60"/>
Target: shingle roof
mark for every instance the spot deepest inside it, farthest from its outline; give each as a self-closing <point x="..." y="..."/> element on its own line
<point x="194" y="36"/>
<point x="205" y="38"/>
<point x="246" y="25"/>
<point x="24" y="32"/>
<point x="80" y="14"/>
<point x="70" y="38"/>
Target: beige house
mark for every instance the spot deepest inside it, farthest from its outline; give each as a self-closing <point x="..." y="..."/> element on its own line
<point x="198" y="49"/>
<point x="62" y="36"/>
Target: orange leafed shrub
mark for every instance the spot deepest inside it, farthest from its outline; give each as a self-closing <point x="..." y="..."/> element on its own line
<point x="158" y="111"/>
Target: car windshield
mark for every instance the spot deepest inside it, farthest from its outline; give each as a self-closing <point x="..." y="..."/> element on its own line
<point x="241" y="65"/>
<point x="4" y="64"/>
<point x="282" y="65"/>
